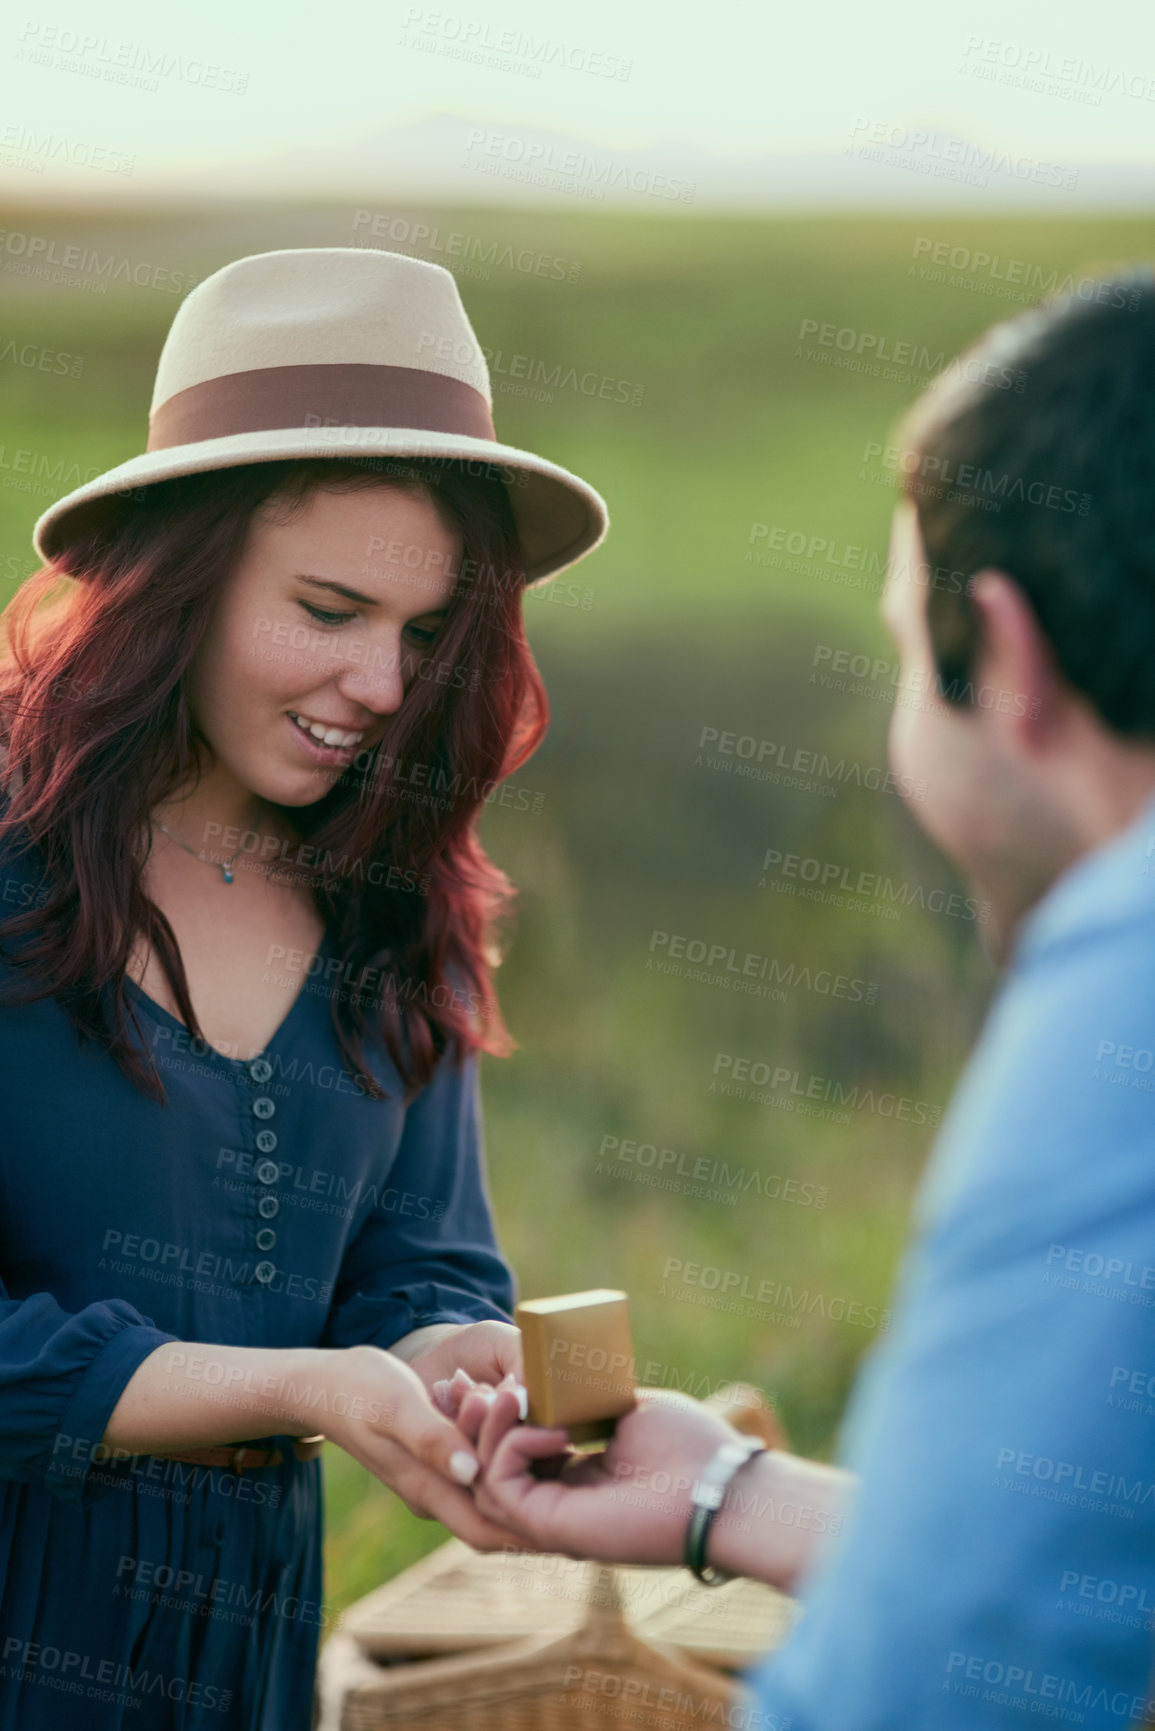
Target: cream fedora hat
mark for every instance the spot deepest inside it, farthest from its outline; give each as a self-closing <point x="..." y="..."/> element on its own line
<point x="334" y="352"/>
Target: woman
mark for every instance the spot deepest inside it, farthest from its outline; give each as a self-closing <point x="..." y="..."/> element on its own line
<point x="245" y="978"/>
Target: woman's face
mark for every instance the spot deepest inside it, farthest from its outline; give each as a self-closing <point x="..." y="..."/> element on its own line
<point x="325" y="623"/>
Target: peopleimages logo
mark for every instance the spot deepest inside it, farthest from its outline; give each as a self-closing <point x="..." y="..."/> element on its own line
<point x="829" y="881"/>
<point x="735" y="1288"/>
<point x="35" y="253"/>
<point x="479" y="41"/>
<point x="753" y="964"/>
<point x="702" y="1171"/>
<point x="398" y="231"/>
<point x="572" y="170"/>
<point x="107" y="1679"/>
<point x="1037" y="280"/>
<point x="827" y="1089"/>
<point x="767" y="759"/>
<point x="1024" y="1688"/>
<point x="931" y="151"/>
<point x="1031" y="66"/>
<point x="47" y="146"/>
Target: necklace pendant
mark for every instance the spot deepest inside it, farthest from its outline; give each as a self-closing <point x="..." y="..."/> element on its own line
<point x="226" y="874"/>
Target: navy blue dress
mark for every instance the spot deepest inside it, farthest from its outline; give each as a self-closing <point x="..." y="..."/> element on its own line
<point x="269" y="1203"/>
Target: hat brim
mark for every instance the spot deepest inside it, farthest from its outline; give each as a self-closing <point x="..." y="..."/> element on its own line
<point x="560" y="518"/>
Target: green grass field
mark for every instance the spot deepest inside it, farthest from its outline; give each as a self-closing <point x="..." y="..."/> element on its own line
<point x="669" y="631"/>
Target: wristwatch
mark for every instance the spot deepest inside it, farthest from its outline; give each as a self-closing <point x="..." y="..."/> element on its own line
<point x="707" y="1497"/>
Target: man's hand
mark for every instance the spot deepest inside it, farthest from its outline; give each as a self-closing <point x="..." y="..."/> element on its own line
<point x="628" y="1504"/>
<point x="631" y="1504"/>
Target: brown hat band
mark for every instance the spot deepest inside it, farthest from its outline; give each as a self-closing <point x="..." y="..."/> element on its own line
<point x="341" y="394"/>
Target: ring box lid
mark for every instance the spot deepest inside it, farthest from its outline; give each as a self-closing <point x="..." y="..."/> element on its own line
<point x="579" y="1359"/>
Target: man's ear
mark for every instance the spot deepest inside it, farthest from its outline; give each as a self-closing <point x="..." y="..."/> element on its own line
<point x="1016" y="678"/>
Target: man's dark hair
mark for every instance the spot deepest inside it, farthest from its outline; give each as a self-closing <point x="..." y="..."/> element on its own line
<point x="1036" y="456"/>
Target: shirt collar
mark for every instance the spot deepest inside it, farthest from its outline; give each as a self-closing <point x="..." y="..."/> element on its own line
<point x="1113" y="884"/>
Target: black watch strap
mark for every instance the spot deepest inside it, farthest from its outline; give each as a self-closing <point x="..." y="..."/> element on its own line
<point x="707" y="1497"/>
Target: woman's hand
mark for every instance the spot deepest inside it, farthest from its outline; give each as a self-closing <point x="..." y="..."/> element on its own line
<point x="379" y="1410"/>
<point x="486" y="1352"/>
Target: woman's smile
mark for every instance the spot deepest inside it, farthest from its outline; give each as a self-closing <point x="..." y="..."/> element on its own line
<point x="324" y="742"/>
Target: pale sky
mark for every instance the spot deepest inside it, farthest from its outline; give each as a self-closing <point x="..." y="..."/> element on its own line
<point x="332" y="94"/>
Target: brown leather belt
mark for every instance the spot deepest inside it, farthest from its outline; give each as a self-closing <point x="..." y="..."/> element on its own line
<point x="242" y="1458"/>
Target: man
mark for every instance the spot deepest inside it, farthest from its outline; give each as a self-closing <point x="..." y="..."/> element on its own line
<point x="996" y="1562"/>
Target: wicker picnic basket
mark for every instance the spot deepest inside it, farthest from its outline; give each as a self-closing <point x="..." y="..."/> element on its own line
<point x="599" y="1669"/>
<point x="458" y="1601"/>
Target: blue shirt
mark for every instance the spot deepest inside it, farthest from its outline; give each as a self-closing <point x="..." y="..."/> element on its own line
<point x="269" y="1203"/>
<point x="998" y="1568"/>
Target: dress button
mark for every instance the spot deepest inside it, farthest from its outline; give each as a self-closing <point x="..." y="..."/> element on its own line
<point x="268" y="1172"/>
<point x="267" y="1207"/>
<point x="266" y="1238"/>
<point x="266" y="1141"/>
<point x="260" y="1069"/>
<point x="264" y="1272"/>
<point x="263" y="1107"/>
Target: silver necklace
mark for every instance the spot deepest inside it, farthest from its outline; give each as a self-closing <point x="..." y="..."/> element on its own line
<point x="223" y="866"/>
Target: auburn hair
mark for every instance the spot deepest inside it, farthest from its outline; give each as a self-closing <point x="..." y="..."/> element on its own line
<point x="96" y="730"/>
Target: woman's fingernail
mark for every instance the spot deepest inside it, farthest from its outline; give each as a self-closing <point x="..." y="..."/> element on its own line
<point x="442" y="1397"/>
<point x="488" y="1395"/>
<point x="522" y="1399"/>
<point x="464" y="1467"/>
